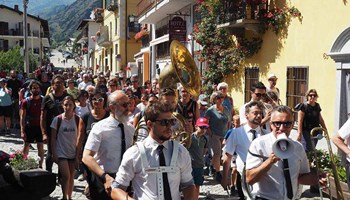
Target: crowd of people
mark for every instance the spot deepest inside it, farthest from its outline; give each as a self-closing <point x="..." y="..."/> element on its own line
<point x="89" y="123"/>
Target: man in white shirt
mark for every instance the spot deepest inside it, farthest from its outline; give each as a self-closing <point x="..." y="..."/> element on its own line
<point x="240" y="139"/>
<point x="142" y="163"/>
<point x="257" y="92"/>
<point x="269" y="171"/>
<point x="106" y="145"/>
<point x="341" y="140"/>
<point x="84" y="83"/>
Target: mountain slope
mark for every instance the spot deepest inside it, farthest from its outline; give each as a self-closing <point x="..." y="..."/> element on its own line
<point x="35" y="7"/>
<point x="63" y="23"/>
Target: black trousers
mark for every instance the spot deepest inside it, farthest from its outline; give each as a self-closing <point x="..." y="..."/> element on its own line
<point x="96" y="187"/>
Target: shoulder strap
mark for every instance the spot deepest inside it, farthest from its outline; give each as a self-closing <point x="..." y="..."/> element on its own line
<point x="59" y="122"/>
<point x="77" y="118"/>
<point x="52" y="97"/>
<point x="28" y="103"/>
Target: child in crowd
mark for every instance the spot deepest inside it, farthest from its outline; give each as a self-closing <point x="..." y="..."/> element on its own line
<point x="235" y="124"/>
<point x="197" y="150"/>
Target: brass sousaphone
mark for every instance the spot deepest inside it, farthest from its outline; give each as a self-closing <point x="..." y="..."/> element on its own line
<point x="182" y="70"/>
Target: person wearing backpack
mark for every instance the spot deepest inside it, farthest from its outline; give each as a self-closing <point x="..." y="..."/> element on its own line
<point x="64" y="133"/>
<point x="30" y="120"/>
<point x="51" y="106"/>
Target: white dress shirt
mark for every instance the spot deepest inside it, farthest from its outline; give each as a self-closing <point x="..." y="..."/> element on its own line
<point x="272" y="184"/>
<point x="239" y="142"/>
<point x="145" y="185"/>
<point x="105" y="139"/>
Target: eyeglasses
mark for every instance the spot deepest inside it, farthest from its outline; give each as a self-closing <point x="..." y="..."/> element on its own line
<point x="203" y="127"/>
<point x="125" y="104"/>
<point x="312" y="95"/>
<point x="101" y="99"/>
<point x="285" y="124"/>
<point x="166" y="122"/>
<point x="259" y="94"/>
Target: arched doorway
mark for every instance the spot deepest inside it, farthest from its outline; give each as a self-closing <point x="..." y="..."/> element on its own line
<point x="340" y="53"/>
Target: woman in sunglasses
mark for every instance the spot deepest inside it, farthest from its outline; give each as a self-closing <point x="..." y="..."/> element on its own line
<point x="309" y="117"/>
<point x="219" y="122"/>
<point x="98" y="112"/>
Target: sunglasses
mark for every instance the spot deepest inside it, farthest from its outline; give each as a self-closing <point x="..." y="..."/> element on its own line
<point x="166" y="122"/>
<point x="219" y="97"/>
<point x="312" y="95"/>
<point x="259" y="94"/>
<point x="125" y="104"/>
<point x="203" y="127"/>
<point x="101" y="99"/>
<point x="112" y="85"/>
<point x="285" y="124"/>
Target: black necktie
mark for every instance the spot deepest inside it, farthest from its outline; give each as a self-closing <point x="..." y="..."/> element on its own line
<point x="121" y="125"/>
<point x="253" y="133"/>
<point x="167" y="193"/>
<point x="287" y="178"/>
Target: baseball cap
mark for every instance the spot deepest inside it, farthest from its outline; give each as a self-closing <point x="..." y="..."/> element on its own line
<point x="272" y="76"/>
<point x="202" y="122"/>
<point x="203" y="99"/>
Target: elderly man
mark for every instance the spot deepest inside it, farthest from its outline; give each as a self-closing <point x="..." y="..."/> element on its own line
<point x="86" y="82"/>
<point x="276" y="178"/>
<point x="105" y="146"/>
<point x="147" y="164"/>
<point x="228" y="101"/>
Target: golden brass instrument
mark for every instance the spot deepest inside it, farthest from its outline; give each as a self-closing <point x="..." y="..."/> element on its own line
<point x="141" y="125"/>
<point x="340" y="195"/>
<point x="182" y="70"/>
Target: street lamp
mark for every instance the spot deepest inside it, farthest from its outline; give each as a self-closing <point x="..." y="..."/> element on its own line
<point x="25" y="35"/>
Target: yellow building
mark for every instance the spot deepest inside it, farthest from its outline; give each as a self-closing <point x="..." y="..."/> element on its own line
<point x="315" y="54"/>
<point x="116" y="45"/>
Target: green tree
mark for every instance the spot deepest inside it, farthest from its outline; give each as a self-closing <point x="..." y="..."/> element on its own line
<point x="12" y="59"/>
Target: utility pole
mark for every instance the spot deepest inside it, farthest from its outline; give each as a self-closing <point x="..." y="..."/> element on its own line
<point x="25" y="35"/>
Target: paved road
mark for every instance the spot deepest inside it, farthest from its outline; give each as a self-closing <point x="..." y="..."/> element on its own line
<point x="210" y="189"/>
<point x="57" y="60"/>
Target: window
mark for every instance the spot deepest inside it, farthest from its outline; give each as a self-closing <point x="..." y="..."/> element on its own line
<point x="116" y="26"/>
<point x="110" y="31"/>
<point x="163" y="50"/>
<point x="251" y="77"/>
<point x="4" y="45"/>
<point x="297" y="85"/>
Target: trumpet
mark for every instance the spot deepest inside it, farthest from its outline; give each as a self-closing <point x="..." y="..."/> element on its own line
<point x="340" y="194"/>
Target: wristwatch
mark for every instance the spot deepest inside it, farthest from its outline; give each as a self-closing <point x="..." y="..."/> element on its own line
<point x="103" y="177"/>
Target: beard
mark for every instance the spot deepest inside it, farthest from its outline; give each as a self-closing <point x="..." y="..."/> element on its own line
<point x="36" y="93"/>
<point x="121" y="116"/>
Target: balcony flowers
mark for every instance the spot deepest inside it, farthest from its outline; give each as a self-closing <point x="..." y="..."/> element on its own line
<point x="141" y="35"/>
<point x="279" y="18"/>
<point x="223" y="55"/>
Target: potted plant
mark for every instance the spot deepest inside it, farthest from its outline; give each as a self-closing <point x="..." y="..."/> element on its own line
<point x="22" y="171"/>
<point x="326" y="166"/>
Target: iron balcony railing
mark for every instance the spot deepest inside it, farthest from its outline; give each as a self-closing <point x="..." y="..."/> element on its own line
<point x="235" y="10"/>
<point x="144" y="5"/>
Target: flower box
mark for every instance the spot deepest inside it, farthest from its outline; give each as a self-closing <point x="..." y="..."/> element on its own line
<point x="142" y="34"/>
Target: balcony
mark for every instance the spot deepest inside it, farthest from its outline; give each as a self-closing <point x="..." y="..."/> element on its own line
<point x="98" y="15"/>
<point x="151" y="11"/>
<point x="102" y="37"/>
<point x="11" y="32"/>
<point x="237" y="16"/>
